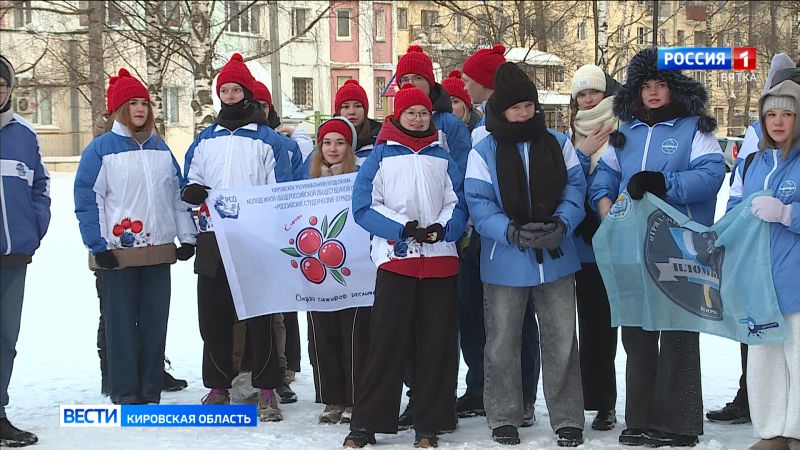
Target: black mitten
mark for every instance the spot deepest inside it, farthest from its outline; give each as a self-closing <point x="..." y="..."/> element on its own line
<point x="106" y="260"/>
<point x="434" y="233"/>
<point x="409" y="229"/>
<point x="652" y="182"/>
<point x="194" y="194"/>
<point x="184" y="252"/>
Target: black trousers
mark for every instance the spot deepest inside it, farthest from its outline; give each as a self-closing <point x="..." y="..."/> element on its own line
<point x="292" y="350"/>
<point x="410" y="313"/>
<point x="217" y="316"/>
<point x="663" y="390"/>
<point x="101" y="339"/>
<point x="741" y="395"/>
<point x="338" y="342"/>
<point x="597" y="341"/>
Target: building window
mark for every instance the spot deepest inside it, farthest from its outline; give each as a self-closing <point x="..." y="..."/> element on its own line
<point x="664" y="10"/>
<point x="343" y="23"/>
<point x="23" y="14"/>
<point x="719" y="80"/>
<point x="559" y="74"/>
<point x="381" y="103"/>
<point x="719" y="114"/>
<point x="663" y="37"/>
<point x="699" y="38"/>
<point x="429" y="18"/>
<point x="641" y="35"/>
<point x="458" y="24"/>
<point x="721" y="39"/>
<point x="43" y="110"/>
<point x="340" y="80"/>
<point x="243" y="17"/>
<point x="559" y="31"/>
<point x="172" y="14"/>
<point x="303" y="92"/>
<point x="113" y="15"/>
<point x="699" y="75"/>
<point x="299" y="21"/>
<point x="172" y="104"/>
<point x="380" y="25"/>
<point x="680" y="38"/>
<point x="622" y="38"/>
<point x="402" y="18"/>
<point x="582" y="31"/>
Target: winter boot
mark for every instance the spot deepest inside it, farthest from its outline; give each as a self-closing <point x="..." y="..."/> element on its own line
<point x="217" y="397"/>
<point x="172" y="384"/>
<point x="528" y="415"/>
<point x="406" y="419"/>
<point x="290" y="376"/>
<point x="793" y="444"/>
<point x="424" y="439"/>
<point x="776" y="443"/>
<point x="268" y="410"/>
<point x="730" y="414"/>
<point x="286" y="393"/>
<point x="569" y="437"/>
<point x="604" y="420"/>
<point x="633" y="436"/>
<point x="655" y="438"/>
<point x="347" y="415"/>
<point x="506" y="435"/>
<point x="11" y="436"/>
<point x="332" y="414"/>
<point x="470" y="405"/>
<point x="359" y="439"/>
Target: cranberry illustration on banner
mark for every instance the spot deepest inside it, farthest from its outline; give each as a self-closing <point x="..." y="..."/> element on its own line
<point x="319" y="251"/>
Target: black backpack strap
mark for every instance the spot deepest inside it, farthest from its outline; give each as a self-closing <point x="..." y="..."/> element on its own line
<point x="747" y="162"/>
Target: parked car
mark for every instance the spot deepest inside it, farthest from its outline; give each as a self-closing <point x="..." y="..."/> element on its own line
<point x="730" y="147"/>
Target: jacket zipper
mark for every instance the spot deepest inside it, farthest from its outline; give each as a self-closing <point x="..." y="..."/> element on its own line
<point x="149" y="183"/>
<point x="526" y="149"/>
<point x="774" y="168"/>
<point x="647" y="146"/>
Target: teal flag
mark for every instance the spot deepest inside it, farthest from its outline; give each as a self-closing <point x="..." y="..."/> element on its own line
<point x="663" y="271"/>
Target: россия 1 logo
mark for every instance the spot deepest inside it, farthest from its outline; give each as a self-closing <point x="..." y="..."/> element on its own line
<point x="706" y="58"/>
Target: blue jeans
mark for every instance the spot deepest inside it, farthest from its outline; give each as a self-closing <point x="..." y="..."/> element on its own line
<point x="473" y="334"/>
<point x="12" y="288"/>
<point x="135" y="309"/>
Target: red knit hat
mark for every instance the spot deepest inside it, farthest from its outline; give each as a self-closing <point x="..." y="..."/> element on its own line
<point x="415" y="61"/>
<point x="482" y="65"/>
<point x="261" y="93"/>
<point x="454" y="86"/>
<point x="124" y="88"/>
<point x="339" y="125"/>
<point x="408" y="96"/>
<point x="235" y="71"/>
<point x="350" y="91"/>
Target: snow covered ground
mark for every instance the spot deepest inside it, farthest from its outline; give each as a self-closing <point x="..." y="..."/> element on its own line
<point x="57" y="364"/>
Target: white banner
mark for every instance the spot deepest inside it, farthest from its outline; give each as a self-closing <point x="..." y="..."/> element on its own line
<point x="293" y="247"/>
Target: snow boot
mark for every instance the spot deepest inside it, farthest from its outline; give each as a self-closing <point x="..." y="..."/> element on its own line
<point x="793" y="444"/>
<point x="528" y="415"/>
<point x="11" y="436"/>
<point x="506" y="435"/>
<point x="423" y="439"/>
<point x="776" y="443"/>
<point x="359" y="439"/>
<point x="655" y="438"/>
<point x="347" y="415"/>
<point x="332" y="414"/>
<point x="633" y="436"/>
<point x="604" y="420"/>
<point x="286" y="393"/>
<point x="569" y="437"/>
<point x="730" y="414"/>
<point x="268" y="410"/>
<point x="172" y="384"/>
<point x="217" y="397"/>
<point x="406" y="419"/>
<point x="470" y="405"/>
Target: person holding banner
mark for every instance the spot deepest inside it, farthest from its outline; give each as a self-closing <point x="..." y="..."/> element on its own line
<point x="664" y="145"/>
<point x="127" y="200"/>
<point x="239" y="149"/>
<point x="592" y="121"/>
<point x="773" y="370"/>
<point x="338" y="340"/>
<point x="408" y="195"/>
<point x="526" y="189"/>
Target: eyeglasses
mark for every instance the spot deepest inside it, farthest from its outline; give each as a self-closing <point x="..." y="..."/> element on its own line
<point x="412" y="80"/>
<point x="411" y="115"/>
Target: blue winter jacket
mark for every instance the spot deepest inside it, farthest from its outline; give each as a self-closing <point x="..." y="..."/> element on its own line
<point x="454" y="137"/>
<point x="691" y="161"/>
<point x="503" y="263"/>
<point x="782" y="176"/>
<point x="24" y="189"/>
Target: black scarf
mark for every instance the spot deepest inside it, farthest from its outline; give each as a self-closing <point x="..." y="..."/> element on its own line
<point x="240" y="114"/>
<point x="667" y="112"/>
<point x="535" y="199"/>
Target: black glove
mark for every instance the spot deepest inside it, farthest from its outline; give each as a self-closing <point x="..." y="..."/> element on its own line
<point x="184" y="252"/>
<point x="409" y="229"/>
<point x="434" y="233"/>
<point x="519" y="236"/>
<point x="106" y="259"/>
<point x="550" y="236"/>
<point x="194" y="194"/>
<point x="653" y="182"/>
